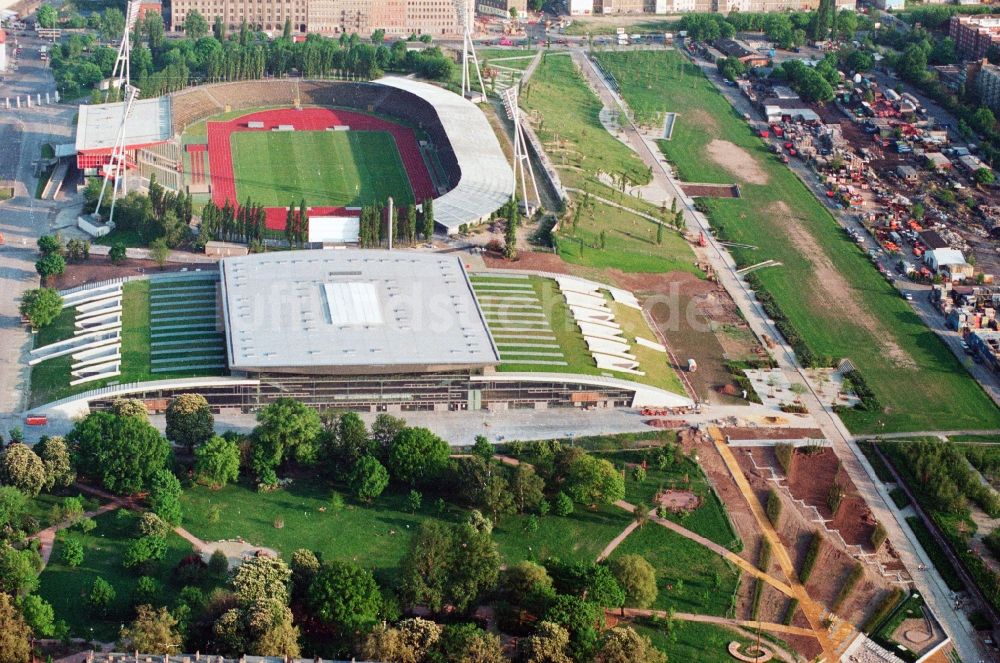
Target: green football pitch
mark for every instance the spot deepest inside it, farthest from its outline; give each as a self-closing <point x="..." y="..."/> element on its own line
<point x="325" y="168"/>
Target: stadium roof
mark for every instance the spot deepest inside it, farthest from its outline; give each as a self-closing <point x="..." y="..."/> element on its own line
<point x="486" y="180"/>
<point x="352" y="308"/>
<point x="97" y="125"/>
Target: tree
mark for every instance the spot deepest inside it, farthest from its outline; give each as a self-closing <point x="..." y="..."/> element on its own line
<point x="58" y="467"/>
<point x="218" y="563"/>
<point x="40" y="306"/>
<point x="189" y="420"/>
<point x="12" y="505"/>
<point x="143" y="551"/>
<point x="262" y="579"/>
<point x="165" y="496"/>
<point x="730" y="68"/>
<point x="123" y="453"/>
<point x="408" y="642"/>
<point x="623" y="645"/>
<point x="117" y="253"/>
<point x="594" y="481"/>
<point x="101" y="596"/>
<point x="580" y="618"/>
<point x="195" y="25"/>
<point x="39" y="616"/>
<point x="350" y="441"/>
<point x="417" y="455"/>
<point x="425" y="567"/>
<point x="637" y="578"/>
<point x="150" y="524"/>
<point x="284" y="427"/>
<point x="984" y="176"/>
<point x="72" y="551"/>
<point x="526" y="488"/>
<point x="563" y="505"/>
<point x="345" y="597"/>
<point x="159" y="251"/>
<point x="271" y="630"/>
<point x="46" y="16"/>
<point x="217" y="462"/>
<point x="50" y="265"/>
<point x="475" y="566"/>
<point x="549" y="644"/>
<point x="305" y="565"/>
<point x="22" y="468"/>
<point x="428" y="210"/>
<point x="524" y="579"/>
<point x="384" y="430"/>
<point x="368" y="479"/>
<point x="483" y="449"/>
<point x="130" y="407"/>
<point x="153" y="630"/>
<point x="467" y="643"/>
<point x="15" y="634"/>
<point x="19" y="570"/>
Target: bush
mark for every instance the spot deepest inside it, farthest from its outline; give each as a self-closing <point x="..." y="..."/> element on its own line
<point x="563" y="505"/>
<point x="793" y="605"/>
<point x="899" y="497"/>
<point x="809" y="561"/>
<point x="878" y="536"/>
<point x="783" y="325"/>
<point x="835" y="497"/>
<point x="786" y="456"/>
<point x="869" y="402"/>
<point x="773" y="506"/>
<point x="845" y="590"/>
<point x="72" y="552"/>
<point x="884" y="608"/>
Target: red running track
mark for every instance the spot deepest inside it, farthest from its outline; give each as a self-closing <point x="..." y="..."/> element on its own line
<point x="220" y="156"/>
<point x="197" y="154"/>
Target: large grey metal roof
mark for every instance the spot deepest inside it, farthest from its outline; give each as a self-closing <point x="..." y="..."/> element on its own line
<point x="97" y="125"/>
<point x="487" y="181"/>
<point x="352" y="308"/>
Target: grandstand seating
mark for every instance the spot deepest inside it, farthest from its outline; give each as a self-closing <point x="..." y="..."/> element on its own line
<point x="190" y="106"/>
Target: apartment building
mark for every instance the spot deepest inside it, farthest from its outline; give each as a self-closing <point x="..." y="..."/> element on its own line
<point x="988" y="82"/>
<point x="501" y="8"/>
<point x="397" y="17"/>
<point x="974" y="35"/>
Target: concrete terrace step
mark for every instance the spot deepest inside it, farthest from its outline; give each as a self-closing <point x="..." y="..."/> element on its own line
<point x="217" y="337"/>
<point x="157" y="319"/>
<point x="537" y="362"/>
<point x="508" y="355"/>
<point x="201" y="327"/>
<point x="186" y="360"/>
<point x="185" y="368"/>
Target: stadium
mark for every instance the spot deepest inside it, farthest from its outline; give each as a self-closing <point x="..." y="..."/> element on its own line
<point x="362" y="329"/>
<point x="335" y="145"/>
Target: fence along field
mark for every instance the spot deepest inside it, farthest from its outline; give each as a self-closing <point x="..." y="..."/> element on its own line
<point x="826" y="287"/>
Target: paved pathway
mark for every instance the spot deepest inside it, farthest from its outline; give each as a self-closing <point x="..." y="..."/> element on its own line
<point x="729" y="555"/>
<point x="617" y="541"/>
<point x="710" y="619"/>
<point x="930" y="584"/>
<point x="47" y="536"/>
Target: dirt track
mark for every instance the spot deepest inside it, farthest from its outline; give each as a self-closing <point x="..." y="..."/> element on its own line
<point x="837" y="292"/>
<point x="737" y="161"/>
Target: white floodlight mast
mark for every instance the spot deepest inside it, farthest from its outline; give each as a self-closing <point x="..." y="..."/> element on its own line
<point x="122" y="72"/>
<point x="117" y="166"/>
<point x="466" y="13"/>
<point x="523" y="169"/>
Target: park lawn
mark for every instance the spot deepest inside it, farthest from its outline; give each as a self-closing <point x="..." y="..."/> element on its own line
<point x="689" y="577"/>
<point x="692" y="641"/>
<point x="655" y="364"/>
<point x="566" y="117"/>
<point x="42" y="508"/>
<point x="511" y="58"/>
<point x="66" y="588"/>
<point x="131" y="238"/>
<point x="325" y="168"/>
<point x="709" y="519"/>
<point x="927" y="388"/>
<point x="582" y="27"/>
<point x="50" y="379"/>
<point x="375" y="536"/>
<point x="629" y="241"/>
<point x="578" y="537"/>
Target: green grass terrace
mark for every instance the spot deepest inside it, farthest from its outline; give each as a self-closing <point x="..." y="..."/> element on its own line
<point x="171" y="328"/>
<point x="535" y="331"/>
<point x="826" y="287"/>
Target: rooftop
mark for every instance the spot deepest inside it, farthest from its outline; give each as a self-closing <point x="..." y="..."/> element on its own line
<point x="352" y="308"/>
<point x="97" y="125"/>
<point x="486" y="180"/>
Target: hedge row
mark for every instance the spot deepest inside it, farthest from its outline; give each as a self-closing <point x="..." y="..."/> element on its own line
<point x="884" y="608"/>
<point x="773" y="507"/>
<point x="784" y="325"/>
<point x="785" y="453"/>
<point x="869" y="401"/>
<point x="845" y="590"/>
<point x="793" y="605"/>
<point x="810" y="559"/>
<point x="878" y="536"/>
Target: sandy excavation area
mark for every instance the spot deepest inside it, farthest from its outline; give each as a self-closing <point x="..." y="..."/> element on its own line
<point x="737" y="161"/>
